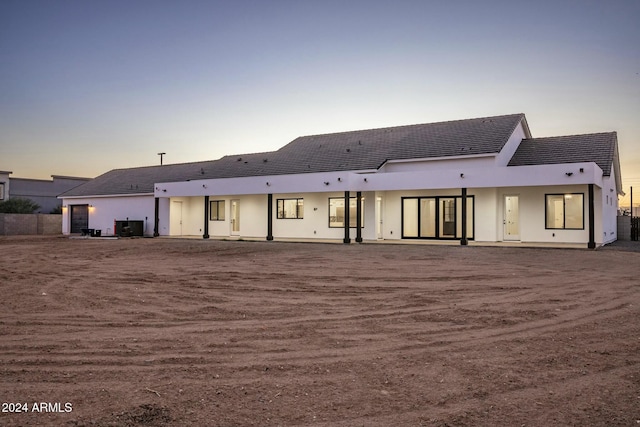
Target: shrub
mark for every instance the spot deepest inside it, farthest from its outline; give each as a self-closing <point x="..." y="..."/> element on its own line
<point x="18" y="205"/>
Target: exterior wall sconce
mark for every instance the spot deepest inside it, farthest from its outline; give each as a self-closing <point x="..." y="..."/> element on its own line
<point x="581" y="170"/>
<point x="326" y="183"/>
<point x="204" y="185"/>
<point x="164" y="190"/>
<point x="365" y="180"/>
<point x="268" y="184"/>
<point x="569" y="173"/>
<point x="461" y="175"/>
<point x="339" y="179"/>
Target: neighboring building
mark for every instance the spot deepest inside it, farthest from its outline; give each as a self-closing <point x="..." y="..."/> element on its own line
<point x="4" y="185"/>
<point x="43" y="192"/>
<point x="481" y="179"/>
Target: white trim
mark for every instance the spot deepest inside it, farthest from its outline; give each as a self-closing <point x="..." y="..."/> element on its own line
<point x="430" y="159"/>
<point x="105" y="196"/>
<point x="455" y="177"/>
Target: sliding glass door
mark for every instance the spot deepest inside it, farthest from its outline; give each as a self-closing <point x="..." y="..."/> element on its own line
<point x="435" y="217"/>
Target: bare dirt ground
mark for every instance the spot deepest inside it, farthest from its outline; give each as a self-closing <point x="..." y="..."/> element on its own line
<point x="160" y="332"/>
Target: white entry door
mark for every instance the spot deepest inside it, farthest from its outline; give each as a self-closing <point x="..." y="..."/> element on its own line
<point x="235" y="217"/>
<point x="511" y="218"/>
<point x="176" y="219"/>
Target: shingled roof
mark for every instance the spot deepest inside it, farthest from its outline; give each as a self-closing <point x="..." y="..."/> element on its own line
<point x="369" y="149"/>
<point x="354" y="151"/>
<point x="601" y="148"/>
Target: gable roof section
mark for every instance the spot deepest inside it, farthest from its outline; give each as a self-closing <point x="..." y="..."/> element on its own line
<point x="369" y="149"/>
<point x="601" y="148"/>
<point x="344" y="151"/>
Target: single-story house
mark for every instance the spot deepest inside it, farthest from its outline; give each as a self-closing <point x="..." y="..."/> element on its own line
<point x="484" y="180"/>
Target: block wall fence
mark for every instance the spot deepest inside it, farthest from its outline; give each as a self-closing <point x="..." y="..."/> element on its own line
<point x="25" y="224"/>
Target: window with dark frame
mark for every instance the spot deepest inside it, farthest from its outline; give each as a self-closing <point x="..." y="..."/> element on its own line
<point x="336" y="212"/>
<point x="290" y="208"/>
<point x="216" y="210"/>
<point x="564" y="211"/>
<point x="1" y="190"/>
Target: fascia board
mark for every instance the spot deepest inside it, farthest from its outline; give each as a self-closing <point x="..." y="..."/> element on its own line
<point x="105" y="196"/>
<point x="511" y="176"/>
<point x="435" y="159"/>
<point x="308" y="182"/>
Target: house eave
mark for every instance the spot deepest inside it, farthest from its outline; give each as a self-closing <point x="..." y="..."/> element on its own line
<point x="454" y="177"/>
<point x="105" y="196"/>
<point x="436" y="159"/>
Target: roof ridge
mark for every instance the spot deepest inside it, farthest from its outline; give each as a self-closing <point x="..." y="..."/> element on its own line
<point x="411" y="125"/>
<point x="165" y="165"/>
<point x="248" y="154"/>
<point x="572" y="135"/>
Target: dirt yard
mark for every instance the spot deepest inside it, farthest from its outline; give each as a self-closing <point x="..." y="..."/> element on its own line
<point x="160" y="332"/>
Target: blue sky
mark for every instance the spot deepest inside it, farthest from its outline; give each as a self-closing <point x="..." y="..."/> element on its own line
<point x="89" y="86"/>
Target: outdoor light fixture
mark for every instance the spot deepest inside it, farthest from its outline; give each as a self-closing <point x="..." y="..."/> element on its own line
<point x="461" y="175"/>
<point x="339" y="179"/>
<point x="268" y="184"/>
<point x="581" y="170"/>
<point x="365" y="180"/>
<point x="204" y="185"/>
<point x="569" y="173"/>
<point x="326" y="183"/>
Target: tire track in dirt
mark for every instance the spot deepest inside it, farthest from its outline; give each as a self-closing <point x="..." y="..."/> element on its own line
<point x="237" y="333"/>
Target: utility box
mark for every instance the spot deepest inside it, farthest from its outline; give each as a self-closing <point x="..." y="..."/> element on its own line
<point x="129" y="228"/>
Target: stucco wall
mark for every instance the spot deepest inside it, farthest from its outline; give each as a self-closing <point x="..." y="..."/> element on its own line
<point x="609" y="201"/>
<point x="104" y="210"/>
<point x="253" y="217"/>
<point x="532" y="214"/>
<point x="488" y="220"/>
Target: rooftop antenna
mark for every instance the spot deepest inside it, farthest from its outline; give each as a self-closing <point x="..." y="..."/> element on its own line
<point x="161" y="154"/>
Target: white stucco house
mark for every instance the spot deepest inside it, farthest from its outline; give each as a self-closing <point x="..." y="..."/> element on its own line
<point x="475" y="180"/>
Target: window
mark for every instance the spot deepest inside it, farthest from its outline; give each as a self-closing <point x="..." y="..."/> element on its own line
<point x="216" y="211"/>
<point x="290" y="208"/>
<point x="1" y="190"/>
<point x="565" y="211"/>
<point x="336" y="212"/>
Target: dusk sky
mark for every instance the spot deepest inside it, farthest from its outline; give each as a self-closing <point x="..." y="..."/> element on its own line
<point x="89" y="86"/>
